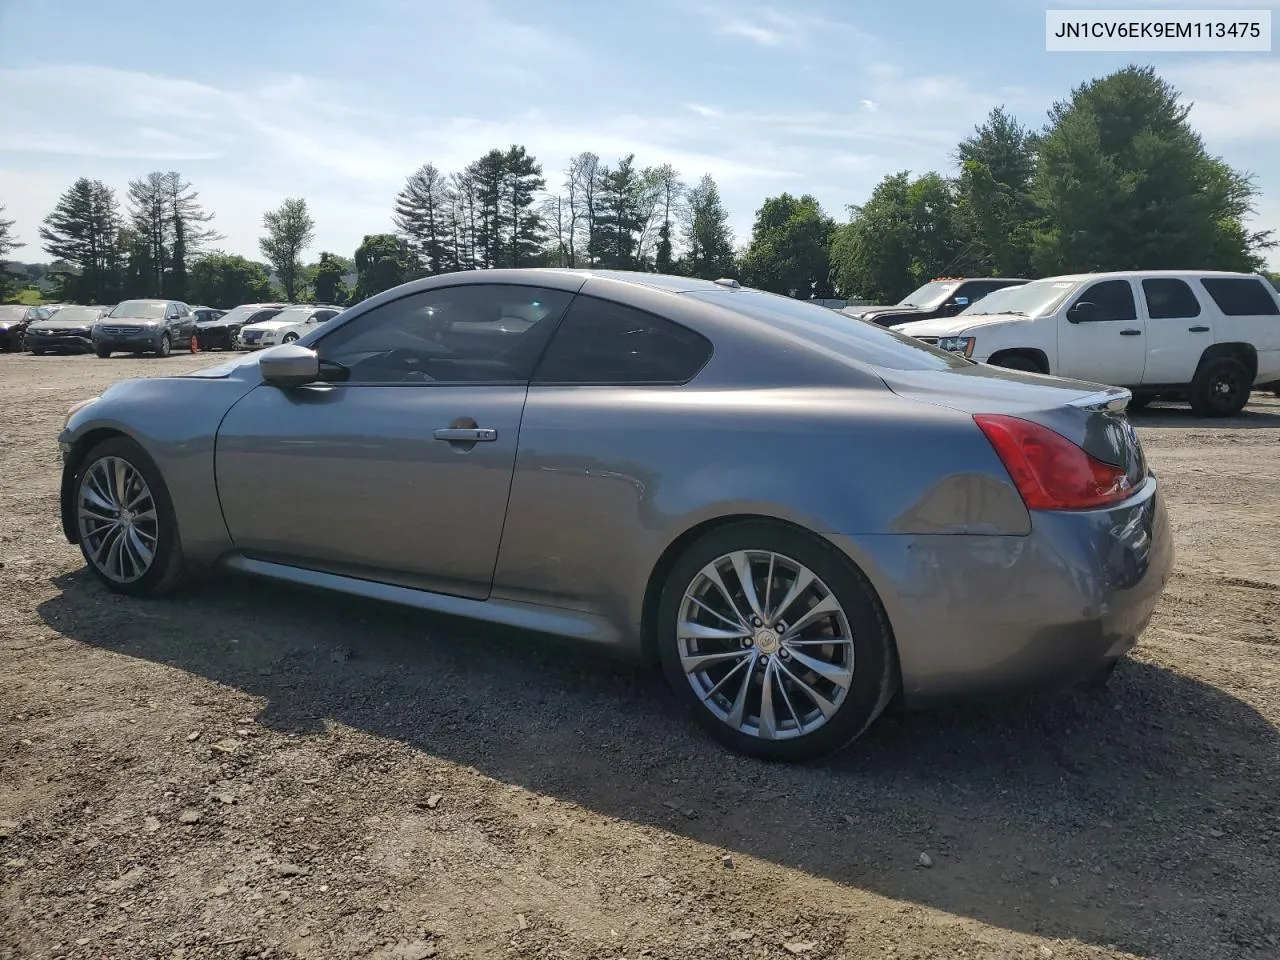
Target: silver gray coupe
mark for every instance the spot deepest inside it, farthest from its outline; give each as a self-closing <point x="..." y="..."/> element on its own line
<point x="800" y="515"/>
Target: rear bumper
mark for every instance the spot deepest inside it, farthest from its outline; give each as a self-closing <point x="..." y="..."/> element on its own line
<point x="975" y="615"/>
<point x="40" y="341"/>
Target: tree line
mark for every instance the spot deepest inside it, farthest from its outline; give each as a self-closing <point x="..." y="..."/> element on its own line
<point x="1117" y="179"/>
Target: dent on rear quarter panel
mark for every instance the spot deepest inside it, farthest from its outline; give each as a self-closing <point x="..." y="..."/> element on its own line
<point x="607" y="478"/>
<point x="175" y="420"/>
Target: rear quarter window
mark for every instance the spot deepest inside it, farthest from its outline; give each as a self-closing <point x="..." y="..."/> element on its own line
<point x="1241" y="296"/>
<point x="858" y="340"/>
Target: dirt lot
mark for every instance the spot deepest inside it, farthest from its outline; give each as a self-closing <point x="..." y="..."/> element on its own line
<point x="247" y="771"/>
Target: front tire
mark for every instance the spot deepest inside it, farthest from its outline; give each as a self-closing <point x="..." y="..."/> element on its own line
<point x="125" y="521"/>
<point x="103" y="354"/>
<point x="289" y="338"/>
<point x="775" y="642"/>
<point x="1221" y="388"/>
<point x="165" y="346"/>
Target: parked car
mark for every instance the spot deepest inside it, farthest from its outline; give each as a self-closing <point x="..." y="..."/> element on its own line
<point x="940" y="297"/>
<point x="14" y="320"/>
<point x="799" y="516"/>
<point x="144" y="326"/>
<point x="68" y="330"/>
<point x="223" y="333"/>
<point x="286" y="326"/>
<point x="1196" y="335"/>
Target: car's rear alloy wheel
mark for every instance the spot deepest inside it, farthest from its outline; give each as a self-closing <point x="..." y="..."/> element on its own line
<point x="777" y="643"/>
<point x="125" y="520"/>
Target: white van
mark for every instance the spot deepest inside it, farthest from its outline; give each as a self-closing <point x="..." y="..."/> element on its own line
<point x="1204" y="336"/>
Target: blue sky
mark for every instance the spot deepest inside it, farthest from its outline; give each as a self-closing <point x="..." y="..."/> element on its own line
<point x="339" y="101"/>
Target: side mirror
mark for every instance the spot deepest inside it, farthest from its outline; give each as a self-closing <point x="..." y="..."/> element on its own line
<point x="1083" y="312"/>
<point x="290" y="365"/>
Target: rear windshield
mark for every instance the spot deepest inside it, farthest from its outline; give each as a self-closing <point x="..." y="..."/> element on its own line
<point x="855" y="339"/>
<point x="243" y="312"/>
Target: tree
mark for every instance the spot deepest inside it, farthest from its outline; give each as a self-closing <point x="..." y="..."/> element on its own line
<point x="582" y="180"/>
<point x="995" y="209"/>
<point x="706" y="234"/>
<point x="521" y="181"/>
<point x="327" y="278"/>
<point x="83" y="232"/>
<point x="903" y="235"/>
<point x="422" y="217"/>
<point x="227" y="280"/>
<point x="383" y="261"/>
<point x="290" y="230"/>
<point x="167" y="218"/>
<point x="790" y="249"/>
<point x="1125" y="184"/>
<point x="670" y="195"/>
<point x="8" y="243"/>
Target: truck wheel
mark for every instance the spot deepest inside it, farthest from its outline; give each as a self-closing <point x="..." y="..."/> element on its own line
<point x="1221" y="388"/>
<point x="1018" y="362"/>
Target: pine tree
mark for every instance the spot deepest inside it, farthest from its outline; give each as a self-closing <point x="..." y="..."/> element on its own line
<point x="522" y="180"/>
<point x="422" y="217"/>
<point x="708" y="239"/>
<point x="83" y="232"/>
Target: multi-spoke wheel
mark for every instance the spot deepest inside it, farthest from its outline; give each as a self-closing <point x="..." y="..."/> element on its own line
<point x="776" y="641"/>
<point x="125" y="521"/>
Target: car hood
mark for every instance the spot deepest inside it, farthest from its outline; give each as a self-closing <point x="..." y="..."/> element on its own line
<point x="53" y="323"/>
<point x="952" y="326"/>
<point x="271" y="325"/>
<point x="215" y="322"/>
<point x="878" y="308"/>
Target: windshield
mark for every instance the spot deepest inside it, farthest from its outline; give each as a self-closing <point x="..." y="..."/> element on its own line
<point x="242" y="313"/>
<point x="1033" y="299"/>
<point x="293" y="315"/>
<point x="838" y="332"/>
<point x="139" y="310"/>
<point x="930" y="295"/>
<point x="83" y="314"/>
<point x="10" y="314"/>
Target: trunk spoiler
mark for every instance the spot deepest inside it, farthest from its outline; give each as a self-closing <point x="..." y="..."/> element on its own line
<point x="1113" y="399"/>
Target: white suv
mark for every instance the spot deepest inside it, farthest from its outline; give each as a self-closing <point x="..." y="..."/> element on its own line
<point x="1200" y="335"/>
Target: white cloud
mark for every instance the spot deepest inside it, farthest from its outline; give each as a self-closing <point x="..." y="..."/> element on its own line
<point x="1233" y="98"/>
<point x="870" y="105"/>
<point x="702" y="111"/>
<point x="768" y="26"/>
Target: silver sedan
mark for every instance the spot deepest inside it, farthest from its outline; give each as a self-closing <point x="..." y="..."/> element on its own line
<point x="801" y="516"/>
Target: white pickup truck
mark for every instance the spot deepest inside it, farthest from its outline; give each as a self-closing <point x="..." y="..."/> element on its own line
<point x="1204" y="336"/>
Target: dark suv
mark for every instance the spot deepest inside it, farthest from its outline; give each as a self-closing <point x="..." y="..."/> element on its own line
<point x="14" y="319"/>
<point x="221" y="333"/>
<point x="144" y="326"/>
<point x="940" y="297"/>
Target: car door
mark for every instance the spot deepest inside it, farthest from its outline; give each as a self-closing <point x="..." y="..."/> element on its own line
<point x="1104" y="343"/>
<point x="1250" y="313"/>
<point x="402" y="472"/>
<point x="1179" y="328"/>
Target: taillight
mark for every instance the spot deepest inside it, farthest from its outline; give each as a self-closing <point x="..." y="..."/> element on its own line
<point x="1051" y="472"/>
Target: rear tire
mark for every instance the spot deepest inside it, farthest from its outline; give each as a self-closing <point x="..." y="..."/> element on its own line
<point x="1220" y="389"/>
<point x="154" y="523"/>
<point x="1018" y="362"/>
<point x="861" y="671"/>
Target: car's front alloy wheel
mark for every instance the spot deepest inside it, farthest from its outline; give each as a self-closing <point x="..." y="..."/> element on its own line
<point x="125" y="520"/>
<point x="776" y="642"/>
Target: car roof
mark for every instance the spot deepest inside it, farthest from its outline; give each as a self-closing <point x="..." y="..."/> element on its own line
<point x="1139" y="274"/>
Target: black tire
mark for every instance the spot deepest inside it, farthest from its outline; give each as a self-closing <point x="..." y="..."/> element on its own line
<point x="165" y="346"/>
<point x="289" y="338"/>
<point x="1221" y="388"/>
<point x="167" y="568"/>
<point x="875" y="673"/>
<point x="103" y="354"/>
<point x="1018" y="362"/>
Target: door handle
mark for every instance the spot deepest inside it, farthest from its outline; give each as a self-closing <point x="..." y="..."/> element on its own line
<point x="1198" y="329"/>
<point x="1130" y="333"/>
<point x="466" y="434"/>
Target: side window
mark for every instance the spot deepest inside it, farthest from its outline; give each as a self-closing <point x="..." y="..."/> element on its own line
<point x="1241" y="296"/>
<point x="170" y="311"/>
<point x="602" y="342"/>
<point x="1169" y="298"/>
<point x="472" y="333"/>
<point x="1113" y="298"/>
<point x="976" y="291"/>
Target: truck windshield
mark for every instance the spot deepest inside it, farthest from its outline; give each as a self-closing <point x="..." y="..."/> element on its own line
<point x="1035" y="299"/>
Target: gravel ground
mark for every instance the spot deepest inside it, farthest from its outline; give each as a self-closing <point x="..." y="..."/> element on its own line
<point x="244" y="770"/>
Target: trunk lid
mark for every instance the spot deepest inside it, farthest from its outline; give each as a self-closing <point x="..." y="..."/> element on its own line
<point x="1090" y="415"/>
